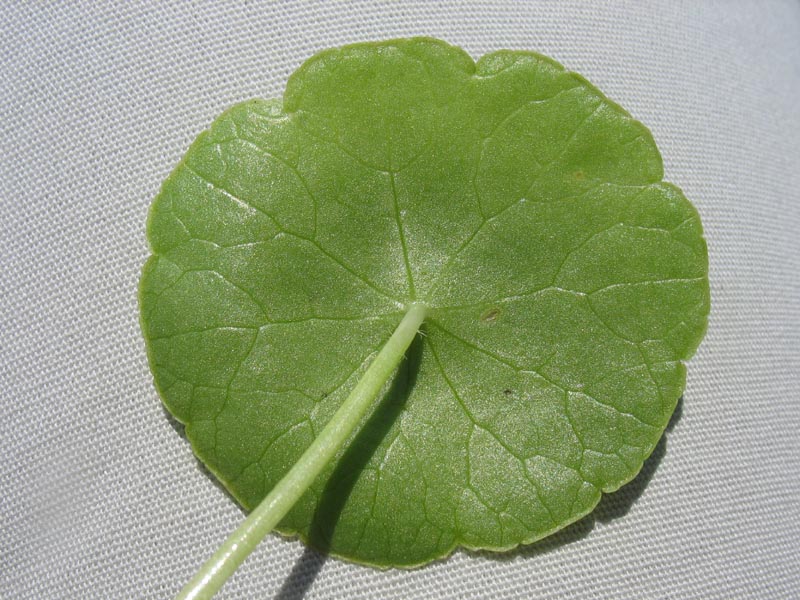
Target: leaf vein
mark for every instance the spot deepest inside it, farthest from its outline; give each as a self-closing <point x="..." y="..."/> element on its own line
<point x="292" y="168"/>
<point x="402" y="235"/>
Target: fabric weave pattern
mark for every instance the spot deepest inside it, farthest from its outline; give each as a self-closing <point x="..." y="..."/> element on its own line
<point x="101" y="498"/>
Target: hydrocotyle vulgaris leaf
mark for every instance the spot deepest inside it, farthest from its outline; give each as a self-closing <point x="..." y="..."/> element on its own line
<point x="565" y="284"/>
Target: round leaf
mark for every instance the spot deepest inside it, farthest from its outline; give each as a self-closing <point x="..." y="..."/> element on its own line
<point x="565" y="281"/>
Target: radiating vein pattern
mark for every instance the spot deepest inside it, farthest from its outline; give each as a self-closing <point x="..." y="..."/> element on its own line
<point x="566" y="284"/>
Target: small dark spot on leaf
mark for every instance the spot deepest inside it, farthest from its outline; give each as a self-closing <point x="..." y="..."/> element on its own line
<point x="490" y="315"/>
<point x="579" y="175"/>
<point x="508" y="392"/>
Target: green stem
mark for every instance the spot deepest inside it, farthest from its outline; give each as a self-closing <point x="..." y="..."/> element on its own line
<point x="213" y="574"/>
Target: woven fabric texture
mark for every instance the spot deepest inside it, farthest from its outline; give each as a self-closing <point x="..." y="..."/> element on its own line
<point x="100" y="497"/>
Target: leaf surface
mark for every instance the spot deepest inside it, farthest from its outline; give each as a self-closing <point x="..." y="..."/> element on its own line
<point x="566" y="284"/>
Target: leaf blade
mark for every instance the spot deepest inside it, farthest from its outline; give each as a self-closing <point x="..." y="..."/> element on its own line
<point x="565" y="281"/>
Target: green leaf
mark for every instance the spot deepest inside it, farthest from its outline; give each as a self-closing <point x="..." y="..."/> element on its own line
<point x="564" y="284"/>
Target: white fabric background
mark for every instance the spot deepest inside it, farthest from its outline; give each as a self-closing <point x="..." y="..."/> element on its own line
<point x="101" y="498"/>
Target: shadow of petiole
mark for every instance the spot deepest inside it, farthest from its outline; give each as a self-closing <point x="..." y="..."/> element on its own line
<point x="347" y="471"/>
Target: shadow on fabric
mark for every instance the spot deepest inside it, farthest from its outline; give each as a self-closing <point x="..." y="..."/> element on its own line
<point x="309" y="565"/>
<point x="345" y="474"/>
<point x="611" y="506"/>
